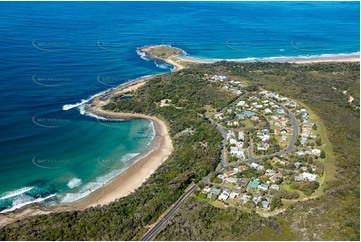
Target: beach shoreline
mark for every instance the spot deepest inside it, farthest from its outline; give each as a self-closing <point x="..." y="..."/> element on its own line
<point x="319" y="59"/>
<point x="140" y="170"/>
<point x="145" y="163"/>
<point x="143" y="166"/>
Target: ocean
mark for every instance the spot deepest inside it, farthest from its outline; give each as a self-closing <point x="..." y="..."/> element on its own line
<point x="54" y="56"/>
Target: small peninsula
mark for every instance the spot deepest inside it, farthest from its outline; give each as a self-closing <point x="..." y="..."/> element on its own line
<point x="250" y="140"/>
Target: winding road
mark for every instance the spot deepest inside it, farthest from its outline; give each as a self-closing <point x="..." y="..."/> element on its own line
<point x="223" y="165"/>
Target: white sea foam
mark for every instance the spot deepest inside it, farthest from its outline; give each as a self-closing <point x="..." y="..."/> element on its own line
<point x="128" y="156"/>
<point x="24" y="200"/>
<point x="281" y="58"/>
<point x="82" y="104"/>
<point x="83" y="101"/>
<point x="151" y="125"/>
<point x="75" y="182"/>
<point x="142" y="55"/>
<point x="163" y="65"/>
<point x="102" y="180"/>
<point x="71" y="106"/>
<point x="15" y="193"/>
<point x="91" y="187"/>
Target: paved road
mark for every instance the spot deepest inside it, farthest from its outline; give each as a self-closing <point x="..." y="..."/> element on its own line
<point x="223" y="132"/>
<point x="289" y="148"/>
<point x="153" y="231"/>
<point x="234" y="102"/>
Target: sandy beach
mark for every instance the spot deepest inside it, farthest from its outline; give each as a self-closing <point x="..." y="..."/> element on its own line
<point x="145" y="164"/>
<point x="139" y="172"/>
<point x="351" y="59"/>
<point x="143" y="167"/>
<point x="160" y="148"/>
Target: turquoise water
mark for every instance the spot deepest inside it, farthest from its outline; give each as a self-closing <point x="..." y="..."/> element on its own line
<point x="86" y="155"/>
<point x="55" y="56"/>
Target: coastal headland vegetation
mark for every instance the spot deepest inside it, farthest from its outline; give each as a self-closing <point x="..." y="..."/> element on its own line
<point x="181" y="99"/>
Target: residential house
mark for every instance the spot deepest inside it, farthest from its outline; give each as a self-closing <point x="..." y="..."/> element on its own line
<point x="214" y="192"/>
<point x="248" y="113"/>
<point x="231" y="180"/>
<point x="283" y="131"/>
<point x="269" y="172"/>
<point x="263" y="187"/>
<point x="233" y="195"/>
<point x="265" y="204"/>
<point x="238" y="153"/>
<point x="224" y="196"/>
<point x="240" y="116"/>
<point x="241" y="103"/>
<point x="300" y="153"/>
<point x="267" y="111"/>
<point x="255" y="118"/>
<point x="257" y="199"/>
<point x="260" y="168"/>
<point x="230" y="135"/>
<point x="219" y="116"/>
<point x="206" y="189"/>
<point x="308" y="176"/>
<point x="304" y="168"/>
<point x="299" y="178"/>
<point x="245" y="198"/>
<point x="243" y="182"/>
<point x="276" y="177"/>
<point x="254" y="183"/>
<point x="229" y="173"/>
<point x="243" y="168"/>
<point x="241" y="135"/>
<point x="316" y="152"/>
<point x="254" y="165"/>
<point x="275" y="187"/>
<point x="280" y="111"/>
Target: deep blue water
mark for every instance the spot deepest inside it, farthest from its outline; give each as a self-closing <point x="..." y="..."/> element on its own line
<point x="59" y="53"/>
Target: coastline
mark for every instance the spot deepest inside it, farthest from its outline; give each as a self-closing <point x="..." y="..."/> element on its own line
<point x="180" y="57"/>
<point x="126" y="182"/>
<point x="142" y="168"/>
<point x="147" y="162"/>
<point x="161" y="146"/>
<point x="344" y="59"/>
<point x="147" y="51"/>
<point x="282" y="59"/>
<point x="144" y="165"/>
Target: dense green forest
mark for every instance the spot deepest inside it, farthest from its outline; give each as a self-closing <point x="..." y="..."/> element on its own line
<point x="127" y="218"/>
<point x="334" y="216"/>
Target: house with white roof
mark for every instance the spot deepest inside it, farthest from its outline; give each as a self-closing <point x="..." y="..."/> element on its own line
<point x="308" y="176"/>
<point x="265" y="204"/>
<point x="316" y="152"/>
<point x="268" y="111"/>
<point x="254" y="165"/>
<point x="233" y="195"/>
<point x="275" y="187"/>
<point x="270" y="172"/>
<point x="241" y="135"/>
<point x="224" y="196"/>
<point x="241" y="103"/>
